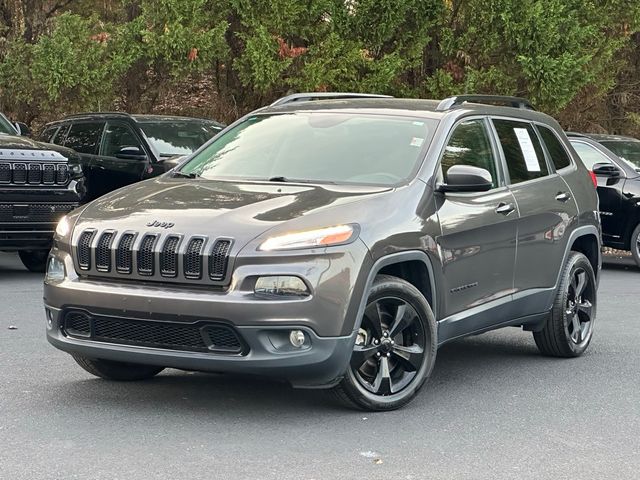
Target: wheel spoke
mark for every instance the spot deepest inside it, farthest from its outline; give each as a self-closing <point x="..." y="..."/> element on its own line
<point x="382" y="383"/>
<point x="361" y="354"/>
<point x="410" y="357"/>
<point x="586" y="309"/>
<point x="374" y="314"/>
<point x="581" y="280"/>
<point x="576" y="333"/>
<point x="404" y="317"/>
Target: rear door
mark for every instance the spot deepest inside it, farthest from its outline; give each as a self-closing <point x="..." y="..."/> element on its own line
<point x="84" y="137"/>
<point x="546" y="207"/>
<point x="118" y="163"/>
<point x="478" y="240"/>
<point x="612" y="216"/>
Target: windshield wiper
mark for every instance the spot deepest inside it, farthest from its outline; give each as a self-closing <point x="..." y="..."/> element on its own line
<point x="279" y="179"/>
<point x="180" y="174"/>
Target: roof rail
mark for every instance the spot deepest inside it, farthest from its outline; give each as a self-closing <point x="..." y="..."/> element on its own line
<point x="515" y="102"/>
<point x="575" y="134"/>
<point x="84" y="114"/>
<point x="311" y="96"/>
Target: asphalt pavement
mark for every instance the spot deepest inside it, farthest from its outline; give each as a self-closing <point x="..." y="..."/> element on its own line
<point x="493" y="409"/>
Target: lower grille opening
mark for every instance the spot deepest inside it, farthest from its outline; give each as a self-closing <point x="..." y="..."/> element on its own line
<point x="196" y="337"/>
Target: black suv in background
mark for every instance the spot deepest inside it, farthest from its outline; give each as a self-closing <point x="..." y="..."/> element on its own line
<point x="335" y="243"/>
<point x="39" y="184"/>
<point x="615" y="161"/>
<point x="118" y="149"/>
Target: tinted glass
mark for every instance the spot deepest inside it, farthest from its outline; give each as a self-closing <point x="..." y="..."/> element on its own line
<point x="588" y="154"/>
<point x="116" y="137"/>
<point x="317" y="147"/>
<point x="469" y="145"/>
<point x="6" y="127"/>
<point x="170" y="138"/>
<point x="84" y="137"/>
<point x="522" y="150"/>
<point x="48" y="133"/>
<point x="559" y="155"/>
<point x="627" y="150"/>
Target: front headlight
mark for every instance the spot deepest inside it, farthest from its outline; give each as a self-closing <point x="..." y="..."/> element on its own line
<point x="321" y="237"/>
<point x="76" y="170"/>
<point x="63" y="227"/>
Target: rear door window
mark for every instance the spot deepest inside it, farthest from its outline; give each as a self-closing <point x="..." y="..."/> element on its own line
<point x="522" y="150"/>
<point x="85" y="137"/>
<point x="559" y="156"/>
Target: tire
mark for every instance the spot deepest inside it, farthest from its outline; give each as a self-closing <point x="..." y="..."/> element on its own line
<point x="395" y="350"/>
<point x="119" y="371"/>
<point x="34" y="260"/>
<point x="569" y="329"/>
<point x="635" y="245"/>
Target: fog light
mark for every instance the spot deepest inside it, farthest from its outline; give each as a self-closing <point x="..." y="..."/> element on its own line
<point x="283" y="286"/>
<point x="55" y="270"/>
<point x="297" y="338"/>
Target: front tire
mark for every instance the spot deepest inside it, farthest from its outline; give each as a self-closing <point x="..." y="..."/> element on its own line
<point x="119" y="371"/>
<point x="569" y="329"/>
<point x="34" y="260"/>
<point x="395" y="349"/>
<point x="635" y="245"/>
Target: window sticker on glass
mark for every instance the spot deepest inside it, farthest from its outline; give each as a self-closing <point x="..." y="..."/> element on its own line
<point x="528" y="151"/>
<point x="416" y="142"/>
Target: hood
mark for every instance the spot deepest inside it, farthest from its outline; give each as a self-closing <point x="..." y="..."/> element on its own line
<point x="240" y="210"/>
<point x="12" y="142"/>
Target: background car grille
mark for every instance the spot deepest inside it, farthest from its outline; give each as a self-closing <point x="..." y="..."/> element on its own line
<point x="154" y="256"/>
<point x="34" y="212"/>
<point x="201" y="336"/>
<point x="33" y="173"/>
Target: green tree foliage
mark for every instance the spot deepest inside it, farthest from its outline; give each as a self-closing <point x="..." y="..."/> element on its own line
<point x="241" y="54"/>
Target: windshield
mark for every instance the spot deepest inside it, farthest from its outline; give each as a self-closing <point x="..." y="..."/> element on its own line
<point x="170" y="138"/>
<point x="5" y="126"/>
<point x="626" y="150"/>
<point x="317" y="147"/>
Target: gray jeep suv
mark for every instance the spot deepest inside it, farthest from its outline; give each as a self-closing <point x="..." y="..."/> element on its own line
<point x="335" y="241"/>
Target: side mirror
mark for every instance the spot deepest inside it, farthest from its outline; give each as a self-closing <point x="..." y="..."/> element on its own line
<point x="466" y="178"/>
<point x="606" y="170"/>
<point x="23" y="129"/>
<point x="130" y="153"/>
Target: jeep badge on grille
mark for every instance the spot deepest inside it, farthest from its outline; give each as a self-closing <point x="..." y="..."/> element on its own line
<point x="165" y="225"/>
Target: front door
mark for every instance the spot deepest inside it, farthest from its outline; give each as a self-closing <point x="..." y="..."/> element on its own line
<point x="478" y="241"/>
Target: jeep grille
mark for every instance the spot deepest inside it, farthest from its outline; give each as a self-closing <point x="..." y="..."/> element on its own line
<point x="32" y="167"/>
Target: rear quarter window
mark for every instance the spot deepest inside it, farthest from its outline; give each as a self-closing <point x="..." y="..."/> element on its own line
<point x="559" y="156"/>
<point x="522" y="150"/>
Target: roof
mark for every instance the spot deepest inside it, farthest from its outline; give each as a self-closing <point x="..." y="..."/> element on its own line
<point x="135" y="117"/>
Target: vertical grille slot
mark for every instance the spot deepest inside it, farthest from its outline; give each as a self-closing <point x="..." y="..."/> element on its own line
<point x="169" y="257"/>
<point x="62" y="174"/>
<point x="19" y="173"/>
<point x="49" y="174"/>
<point x="146" y="256"/>
<point x="218" y="259"/>
<point x="5" y="173"/>
<point x="193" y="259"/>
<point x="35" y="173"/>
<point x="124" y="253"/>
<point x="103" y="252"/>
<point x="84" y="249"/>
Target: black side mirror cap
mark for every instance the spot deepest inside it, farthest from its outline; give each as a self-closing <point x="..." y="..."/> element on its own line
<point x="606" y="170"/>
<point x="466" y="178"/>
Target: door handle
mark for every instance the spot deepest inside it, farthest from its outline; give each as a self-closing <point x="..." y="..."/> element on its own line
<point x="563" y="197"/>
<point x="505" y="208"/>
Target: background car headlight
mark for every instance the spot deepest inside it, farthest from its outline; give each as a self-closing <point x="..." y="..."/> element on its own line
<point x="55" y="270"/>
<point x="75" y="169"/>
<point x="322" y="237"/>
<point x="63" y="227"/>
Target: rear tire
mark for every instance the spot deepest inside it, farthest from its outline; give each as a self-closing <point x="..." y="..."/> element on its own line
<point x="569" y="329"/>
<point x="119" y="371"/>
<point x="635" y="245"/>
<point x="395" y="350"/>
<point x="34" y="260"/>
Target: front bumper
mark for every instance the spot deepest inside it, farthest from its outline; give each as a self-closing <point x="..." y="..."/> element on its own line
<point x="326" y="316"/>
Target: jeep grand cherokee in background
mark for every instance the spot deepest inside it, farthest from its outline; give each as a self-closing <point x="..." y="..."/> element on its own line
<point x="615" y="161"/>
<point x="118" y="149"/>
<point x="39" y="184"/>
<point x="335" y="243"/>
